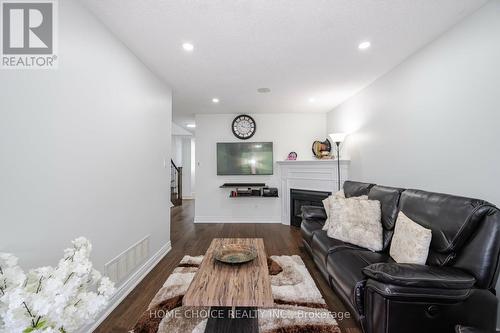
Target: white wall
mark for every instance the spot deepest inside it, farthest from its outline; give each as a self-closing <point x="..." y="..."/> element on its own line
<point x="82" y="149"/>
<point x="287" y="131"/>
<point x="176" y="149"/>
<point x="187" y="186"/>
<point x="193" y="167"/>
<point x="433" y="122"/>
<point x="178" y="130"/>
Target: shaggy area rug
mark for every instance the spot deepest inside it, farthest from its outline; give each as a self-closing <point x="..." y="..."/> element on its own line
<point x="299" y="307"/>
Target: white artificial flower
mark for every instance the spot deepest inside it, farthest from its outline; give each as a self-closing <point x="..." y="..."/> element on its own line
<point x="14" y="298"/>
<point x="107" y="287"/>
<point x="12" y="277"/>
<point x="16" y="320"/>
<point x="55" y="298"/>
<point x="41" y="304"/>
<point x="96" y="275"/>
<point x="46" y="330"/>
<point x="82" y="243"/>
<point x="7" y="260"/>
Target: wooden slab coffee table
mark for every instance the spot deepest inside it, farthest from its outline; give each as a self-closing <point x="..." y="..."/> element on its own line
<point x="233" y="289"/>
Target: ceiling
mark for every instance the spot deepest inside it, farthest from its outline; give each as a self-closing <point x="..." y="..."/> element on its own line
<point x="300" y="49"/>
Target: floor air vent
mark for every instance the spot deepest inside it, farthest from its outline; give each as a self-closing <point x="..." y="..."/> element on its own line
<point x="119" y="268"/>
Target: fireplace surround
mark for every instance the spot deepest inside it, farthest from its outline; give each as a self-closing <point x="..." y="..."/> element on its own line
<point x="313" y="175"/>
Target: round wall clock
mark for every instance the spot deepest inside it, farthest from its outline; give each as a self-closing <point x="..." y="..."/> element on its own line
<point x="243" y="127"/>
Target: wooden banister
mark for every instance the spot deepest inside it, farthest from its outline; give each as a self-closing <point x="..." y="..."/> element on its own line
<point x="176" y="184"/>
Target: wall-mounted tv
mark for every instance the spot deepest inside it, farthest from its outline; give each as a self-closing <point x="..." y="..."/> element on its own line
<point x="244" y="158"/>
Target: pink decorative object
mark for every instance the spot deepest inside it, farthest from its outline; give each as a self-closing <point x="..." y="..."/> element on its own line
<point x="292" y="156"/>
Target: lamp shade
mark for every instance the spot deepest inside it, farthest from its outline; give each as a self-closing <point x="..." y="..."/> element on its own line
<point x="338" y="137"/>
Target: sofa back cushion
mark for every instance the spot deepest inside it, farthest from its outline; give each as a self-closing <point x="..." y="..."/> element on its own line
<point x="389" y="204"/>
<point x="452" y="220"/>
<point x="356" y="189"/>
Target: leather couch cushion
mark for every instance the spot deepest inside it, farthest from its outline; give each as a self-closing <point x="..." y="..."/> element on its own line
<point x="322" y="245"/>
<point x="389" y="204"/>
<point x="420" y="276"/>
<point x="356" y="189"/>
<point x="452" y="220"/>
<point x="416" y="296"/>
<point x="313" y="213"/>
<point x="308" y="227"/>
<point x="346" y="273"/>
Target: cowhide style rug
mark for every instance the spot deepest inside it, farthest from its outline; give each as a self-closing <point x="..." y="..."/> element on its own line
<point x="299" y="307"/>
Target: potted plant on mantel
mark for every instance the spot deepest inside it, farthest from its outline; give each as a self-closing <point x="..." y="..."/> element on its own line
<point x="52" y="300"/>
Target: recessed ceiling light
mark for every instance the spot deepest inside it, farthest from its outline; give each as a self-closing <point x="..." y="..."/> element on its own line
<point x="215" y="100"/>
<point x="191" y="125"/>
<point x="188" y="47"/>
<point x="263" y="90"/>
<point x="312" y="100"/>
<point x="364" y="45"/>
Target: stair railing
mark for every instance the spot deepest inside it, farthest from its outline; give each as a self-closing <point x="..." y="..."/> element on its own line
<point x="175" y="184"/>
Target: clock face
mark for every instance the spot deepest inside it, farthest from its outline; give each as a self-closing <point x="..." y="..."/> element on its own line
<point x="243" y="127"/>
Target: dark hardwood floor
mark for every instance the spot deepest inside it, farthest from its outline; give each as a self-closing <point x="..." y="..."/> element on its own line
<point x="194" y="239"/>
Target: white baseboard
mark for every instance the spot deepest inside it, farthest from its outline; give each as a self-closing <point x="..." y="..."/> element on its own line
<point x="187" y="197"/>
<point x="229" y="219"/>
<point x="129" y="285"/>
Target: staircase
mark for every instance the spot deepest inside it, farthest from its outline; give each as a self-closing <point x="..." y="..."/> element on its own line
<point x="175" y="184"/>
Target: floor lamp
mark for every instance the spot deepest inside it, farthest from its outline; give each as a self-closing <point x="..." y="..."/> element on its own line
<point x="338" y="138"/>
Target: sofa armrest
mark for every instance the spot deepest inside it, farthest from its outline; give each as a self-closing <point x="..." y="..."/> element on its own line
<point x="420" y="276"/>
<point x="313" y="213"/>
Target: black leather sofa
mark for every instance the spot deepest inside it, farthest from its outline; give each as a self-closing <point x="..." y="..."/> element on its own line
<point x="455" y="287"/>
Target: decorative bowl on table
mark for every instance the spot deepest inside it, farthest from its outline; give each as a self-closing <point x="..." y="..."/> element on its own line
<point x="235" y="254"/>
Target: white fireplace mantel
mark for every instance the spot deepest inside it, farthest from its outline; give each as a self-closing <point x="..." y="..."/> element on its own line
<point x="314" y="175"/>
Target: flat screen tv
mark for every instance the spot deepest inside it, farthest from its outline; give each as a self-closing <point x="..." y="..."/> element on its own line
<point x="244" y="158"/>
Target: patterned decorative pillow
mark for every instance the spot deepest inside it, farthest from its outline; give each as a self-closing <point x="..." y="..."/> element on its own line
<point x="338" y="195"/>
<point x="357" y="222"/>
<point x="410" y="243"/>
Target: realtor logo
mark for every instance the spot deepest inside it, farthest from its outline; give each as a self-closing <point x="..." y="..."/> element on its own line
<point x="28" y="34"/>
